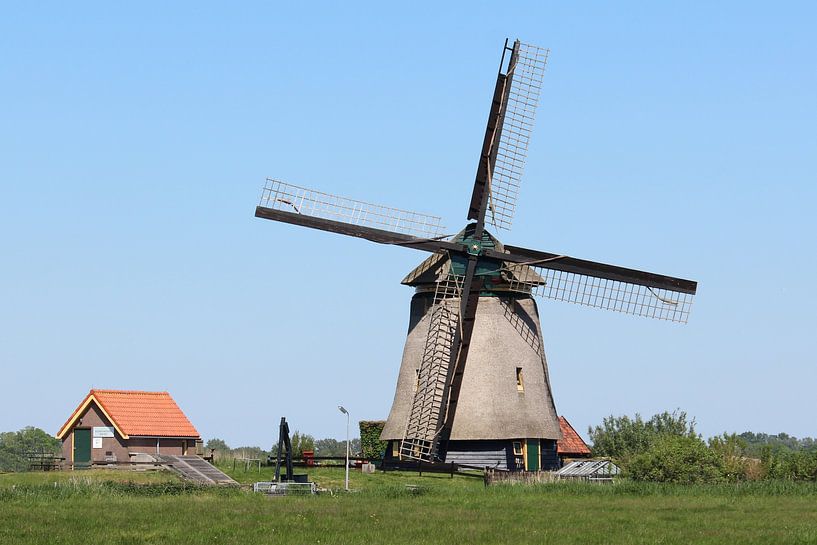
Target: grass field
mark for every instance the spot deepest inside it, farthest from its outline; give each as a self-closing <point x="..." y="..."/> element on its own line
<point x="103" y="507"/>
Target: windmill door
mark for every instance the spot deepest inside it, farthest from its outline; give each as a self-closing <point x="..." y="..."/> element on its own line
<point x="532" y="455"/>
<point x="82" y="447"/>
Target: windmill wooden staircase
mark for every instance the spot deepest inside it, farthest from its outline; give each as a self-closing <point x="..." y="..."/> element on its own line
<point x="427" y="409"/>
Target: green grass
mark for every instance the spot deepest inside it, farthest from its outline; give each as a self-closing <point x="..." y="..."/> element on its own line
<point x="101" y="507"/>
<point x="333" y="478"/>
<point x="96" y="475"/>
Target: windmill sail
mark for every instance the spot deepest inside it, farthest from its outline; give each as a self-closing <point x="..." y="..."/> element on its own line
<point x="507" y="135"/>
<point x="599" y="285"/>
<point x="278" y="195"/>
<point x="317" y="210"/>
<point x="520" y="112"/>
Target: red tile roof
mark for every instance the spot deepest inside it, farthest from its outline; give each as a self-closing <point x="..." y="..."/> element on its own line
<point x="571" y="444"/>
<point x="151" y="414"/>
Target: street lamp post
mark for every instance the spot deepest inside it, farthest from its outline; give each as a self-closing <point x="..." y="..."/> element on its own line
<point x="344" y="411"/>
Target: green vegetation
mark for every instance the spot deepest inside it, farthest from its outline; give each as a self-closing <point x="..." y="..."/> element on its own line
<point x="677" y="459"/>
<point x="756" y="443"/>
<point x="300" y="442"/>
<point x="103" y="508"/>
<point x="370" y="444"/>
<point x="622" y="437"/>
<point x="795" y="466"/>
<point x="666" y="448"/>
<point x="16" y="446"/>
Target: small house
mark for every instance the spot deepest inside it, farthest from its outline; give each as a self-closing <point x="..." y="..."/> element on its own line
<point x="117" y="425"/>
<point x="571" y="446"/>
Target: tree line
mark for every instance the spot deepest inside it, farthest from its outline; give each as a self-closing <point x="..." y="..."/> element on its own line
<point x="666" y="448"/>
<point x="16" y="447"/>
<point x="300" y="442"/>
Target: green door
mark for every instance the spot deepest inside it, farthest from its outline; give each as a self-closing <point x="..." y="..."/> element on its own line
<point x="533" y="455"/>
<point x="82" y="448"/>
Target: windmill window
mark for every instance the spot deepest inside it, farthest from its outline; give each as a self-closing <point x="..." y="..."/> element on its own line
<point x="518" y="455"/>
<point x="517" y="448"/>
<point x="520" y="385"/>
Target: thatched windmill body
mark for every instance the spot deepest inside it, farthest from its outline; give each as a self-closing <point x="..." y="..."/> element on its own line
<point x="473" y="385"/>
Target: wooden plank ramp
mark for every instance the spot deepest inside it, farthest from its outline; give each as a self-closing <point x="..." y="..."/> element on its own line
<point x="197" y="470"/>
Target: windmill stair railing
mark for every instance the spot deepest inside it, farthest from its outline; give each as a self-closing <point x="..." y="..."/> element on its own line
<point x="428" y="405"/>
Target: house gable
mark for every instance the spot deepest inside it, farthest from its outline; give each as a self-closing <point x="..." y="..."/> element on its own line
<point x="80" y="411"/>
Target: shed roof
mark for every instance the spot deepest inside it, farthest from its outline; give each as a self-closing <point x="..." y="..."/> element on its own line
<point x="592" y="469"/>
<point x="571" y="443"/>
<point x="135" y="413"/>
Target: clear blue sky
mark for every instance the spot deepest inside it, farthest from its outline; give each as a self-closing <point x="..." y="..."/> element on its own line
<point x="134" y="140"/>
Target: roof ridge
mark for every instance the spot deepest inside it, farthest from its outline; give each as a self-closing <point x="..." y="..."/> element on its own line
<point x="138" y="392"/>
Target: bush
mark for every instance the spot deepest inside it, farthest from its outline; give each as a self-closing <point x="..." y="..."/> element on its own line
<point x="622" y="437"/>
<point x="791" y="466"/>
<point x="15" y="447"/>
<point x="677" y="459"/>
<point x="370" y="444"/>
<point x="731" y="449"/>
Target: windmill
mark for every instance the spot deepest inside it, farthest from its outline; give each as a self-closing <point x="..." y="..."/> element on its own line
<point x="473" y="385"/>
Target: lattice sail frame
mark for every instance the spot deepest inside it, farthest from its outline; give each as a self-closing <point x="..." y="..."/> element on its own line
<point x="423" y="425"/>
<point x="279" y="195"/>
<point x="527" y="74"/>
<point x="615" y="295"/>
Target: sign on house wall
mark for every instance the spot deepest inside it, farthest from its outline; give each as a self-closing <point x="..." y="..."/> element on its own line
<point x="97" y="442"/>
<point x="103" y="431"/>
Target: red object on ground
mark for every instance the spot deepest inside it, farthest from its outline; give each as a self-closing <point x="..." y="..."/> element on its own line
<point x="309" y="457"/>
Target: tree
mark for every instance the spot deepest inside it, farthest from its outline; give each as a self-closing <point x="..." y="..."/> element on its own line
<point x="677" y="459"/>
<point x="301" y="442"/>
<point x="219" y="446"/>
<point x="731" y="449"/>
<point x="782" y="442"/>
<point x="15" y="447"/>
<point x="330" y="447"/>
<point x="800" y="465"/>
<point x="623" y="437"/>
<point x="250" y="452"/>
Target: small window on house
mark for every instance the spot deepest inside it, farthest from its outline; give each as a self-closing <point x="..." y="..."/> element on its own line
<point x="416" y="379"/>
<point x="395" y="449"/>
<point x="520" y="385"/>
<point x="517" y="448"/>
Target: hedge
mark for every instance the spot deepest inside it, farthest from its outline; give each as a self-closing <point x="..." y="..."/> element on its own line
<point x="370" y="443"/>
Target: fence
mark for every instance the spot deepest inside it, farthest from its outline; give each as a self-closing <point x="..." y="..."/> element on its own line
<point x="496" y="476"/>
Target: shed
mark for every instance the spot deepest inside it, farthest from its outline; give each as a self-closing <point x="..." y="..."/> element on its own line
<point x="589" y="470"/>
<point x="571" y="445"/>
<point x="117" y="425"/>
